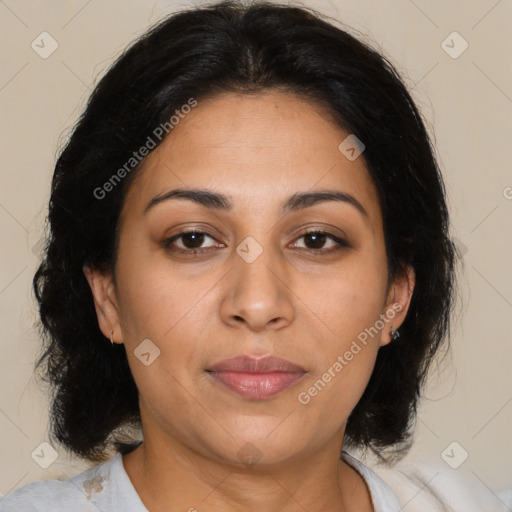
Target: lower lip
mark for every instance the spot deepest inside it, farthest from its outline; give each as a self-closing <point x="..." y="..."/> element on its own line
<point x="256" y="386"/>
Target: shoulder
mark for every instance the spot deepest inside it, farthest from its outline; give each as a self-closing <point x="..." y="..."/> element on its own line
<point x="383" y="498"/>
<point x="424" y="485"/>
<point x="58" y="495"/>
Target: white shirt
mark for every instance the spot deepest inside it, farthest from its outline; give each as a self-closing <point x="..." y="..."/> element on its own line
<point x="107" y="488"/>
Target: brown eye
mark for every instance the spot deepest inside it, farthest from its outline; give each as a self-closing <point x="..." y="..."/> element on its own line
<point x="191" y="241"/>
<point x="315" y="241"/>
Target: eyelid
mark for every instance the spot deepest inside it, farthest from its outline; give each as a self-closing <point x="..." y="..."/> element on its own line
<point x="340" y="242"/>
<point x="168" y="241"/>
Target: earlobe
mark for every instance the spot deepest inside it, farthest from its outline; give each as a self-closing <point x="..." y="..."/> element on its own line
<point x="399" y="300"/>
<point x="105" y="303"/>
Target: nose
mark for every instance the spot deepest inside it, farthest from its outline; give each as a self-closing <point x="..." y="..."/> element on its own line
<point x="258" y="294"/>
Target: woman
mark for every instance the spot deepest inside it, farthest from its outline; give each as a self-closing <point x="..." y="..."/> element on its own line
<point x="249" y="260"/>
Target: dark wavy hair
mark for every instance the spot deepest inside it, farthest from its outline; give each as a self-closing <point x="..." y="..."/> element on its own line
<point x="244" y="48"/>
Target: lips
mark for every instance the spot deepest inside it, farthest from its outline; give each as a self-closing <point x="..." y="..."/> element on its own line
<point x="249" y="364"/>
<point x="254" y="378"/>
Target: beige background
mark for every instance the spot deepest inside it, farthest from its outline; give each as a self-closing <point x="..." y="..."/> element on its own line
<point x="468" y="104"/>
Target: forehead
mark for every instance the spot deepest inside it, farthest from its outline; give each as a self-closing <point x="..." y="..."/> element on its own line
<point x="262" y="147"/>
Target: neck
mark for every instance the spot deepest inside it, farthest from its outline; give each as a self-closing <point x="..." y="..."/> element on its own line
<point x="172" y="477"/>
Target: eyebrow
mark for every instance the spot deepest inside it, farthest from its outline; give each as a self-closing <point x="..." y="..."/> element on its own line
<point x="218" y="201"/>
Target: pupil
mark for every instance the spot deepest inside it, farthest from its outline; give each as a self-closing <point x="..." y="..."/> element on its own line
<point x="197" y="238"/>
<point x="189" y="239"/>
<point x="318" y="237"/>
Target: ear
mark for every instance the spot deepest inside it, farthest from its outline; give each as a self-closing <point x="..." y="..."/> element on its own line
<point x="398" y="301"/>
<point x="105" y="302"/>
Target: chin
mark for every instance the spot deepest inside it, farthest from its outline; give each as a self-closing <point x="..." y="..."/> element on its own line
<point x="261" y="443"/>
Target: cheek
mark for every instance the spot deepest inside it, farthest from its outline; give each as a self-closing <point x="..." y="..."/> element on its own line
<point x="167" y="311"/>
<point x="328" y="398"/>
<point x="346" y="349"/>
<point x="160" y="303"/>
<point x="347" y="312"/>
<point x="347" y="302"/>
<point x="155" y="295"/>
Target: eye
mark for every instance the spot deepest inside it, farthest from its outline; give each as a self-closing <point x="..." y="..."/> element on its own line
<point x="192" y="242"/>
<point x="317" y="238"/>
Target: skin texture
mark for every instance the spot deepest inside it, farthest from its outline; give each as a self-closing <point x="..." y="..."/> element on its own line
<point x="289" y="302"/>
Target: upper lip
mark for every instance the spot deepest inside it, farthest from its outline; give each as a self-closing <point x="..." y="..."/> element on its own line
<point x="250" y="364"/>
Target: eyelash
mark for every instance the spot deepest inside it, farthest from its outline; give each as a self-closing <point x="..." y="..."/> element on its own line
<point x="191" y="252"/>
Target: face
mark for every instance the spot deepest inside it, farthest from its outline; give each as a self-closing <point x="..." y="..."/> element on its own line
<point x="303" y="281"/>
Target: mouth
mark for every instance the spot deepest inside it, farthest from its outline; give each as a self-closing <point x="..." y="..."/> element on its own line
<point x="256" y="379"/>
